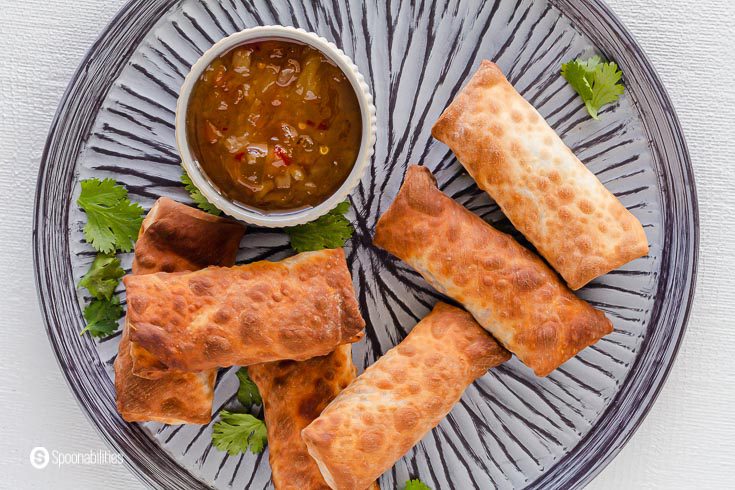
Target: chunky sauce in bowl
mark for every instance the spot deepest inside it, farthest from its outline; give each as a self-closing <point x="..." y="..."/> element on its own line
<point x="275" y="125"/>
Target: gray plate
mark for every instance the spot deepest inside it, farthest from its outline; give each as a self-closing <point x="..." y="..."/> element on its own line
<point x="511" y="429"/>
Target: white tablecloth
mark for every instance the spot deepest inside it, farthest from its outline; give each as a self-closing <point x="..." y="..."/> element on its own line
<point x="688" y="439"/>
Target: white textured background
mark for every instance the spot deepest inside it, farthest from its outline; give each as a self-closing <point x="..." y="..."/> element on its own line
<point x="688" y="439"/>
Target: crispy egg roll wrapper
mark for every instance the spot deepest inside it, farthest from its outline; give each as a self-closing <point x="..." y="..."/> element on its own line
<point x="175" y="237"/>
<point x="175" y="397"/>
<point x="548" y="194"/>
<point x="298" y="308"/>
<point x="509" y="290"/>
<point x="388" y="409"/>
<point x="294" y="394"/>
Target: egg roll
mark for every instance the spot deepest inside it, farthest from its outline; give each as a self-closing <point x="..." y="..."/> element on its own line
<point x="388" y="409"/>
<point x="298" y="308"/>
<point x="548" y="194"/>
<point x="175" y="237"/>
<point x="175" y="397"/>
<point x="294" y="394"/>
<point x="509" y="290"/>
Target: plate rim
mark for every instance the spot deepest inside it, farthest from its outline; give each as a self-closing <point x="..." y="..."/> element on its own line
<point x="148" y="467"/>
<point x="617" y="439"/>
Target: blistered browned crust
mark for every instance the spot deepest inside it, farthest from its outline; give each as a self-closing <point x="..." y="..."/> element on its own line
<point x="145" y="364"/>
<point x="541" y="186"/>
<point x="175" y="397"/>
<point x="397" y="400"/>
<point x="175" y="237"/>
<point x="298" y="308"/>
<point x="294" y="394"/>
<point x="509" y="290"/>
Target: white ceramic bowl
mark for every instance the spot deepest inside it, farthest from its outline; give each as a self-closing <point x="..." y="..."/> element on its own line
<point x="367" y="109"/>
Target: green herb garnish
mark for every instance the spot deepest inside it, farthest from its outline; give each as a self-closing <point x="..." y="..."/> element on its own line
<point x="113" y="220"/>
<point x="596" y="82"/>
<point x="329" y="231"/>
<point x="238" y="433"/>
<point x="103" y="276"/>
<point x="247" y="393"/>
<point x="197" y="196"/>
<point x="102" y="316"/>
<point x="416" y="484"/>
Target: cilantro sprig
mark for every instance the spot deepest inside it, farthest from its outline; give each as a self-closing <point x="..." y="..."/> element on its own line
<point x="103" y="276"/>
<point x="241" y="432"/>
<point x="113" y="220"/>
<point x="596" y="82"/>
<point x="197" y="196"/>
<point x="113" y="223"/>
<point x="248" y="393"/>
<point x="416" y="484"/>
<point x="102" y="316"/>
<point x="238" y="433"/>
<point x="329" y="231"/>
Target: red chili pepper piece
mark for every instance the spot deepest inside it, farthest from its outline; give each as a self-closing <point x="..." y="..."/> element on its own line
<point x="282" y="154"/>
<point x="239" y="155"/>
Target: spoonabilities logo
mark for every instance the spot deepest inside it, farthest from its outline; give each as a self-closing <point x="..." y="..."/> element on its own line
<point x="39" y="457"/>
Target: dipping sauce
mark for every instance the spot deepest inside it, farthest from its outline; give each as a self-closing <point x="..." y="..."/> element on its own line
<point x="275" y="125"/>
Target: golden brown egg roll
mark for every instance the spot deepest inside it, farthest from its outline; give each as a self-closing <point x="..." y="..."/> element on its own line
<point x="397" y="400"/>
<point x="298" y="308"/>
<point x="175" y="237"/>
<point x="175" y="397"/>
<point x="547" y="193"/>
<point x="510" y="291"/>
<point x="294" y="394"/>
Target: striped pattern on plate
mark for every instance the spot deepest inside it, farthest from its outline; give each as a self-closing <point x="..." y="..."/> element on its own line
<point x="510" y="429"/>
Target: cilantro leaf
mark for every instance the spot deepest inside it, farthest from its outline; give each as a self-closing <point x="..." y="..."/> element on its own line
<point x="197" y="196"/>
<point x="416" y="485"/>
<point x="575" y="72"/>
<point x="103" y="276"/>
<point x="238" y="433"/>
<point x="329" y="231"/>
<point x="112" y="220"/>
<point x="605" y="88"/>
<point x="247" y="393"/>
<point x="595" y="82"/>
<point x="102" y="316"/>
